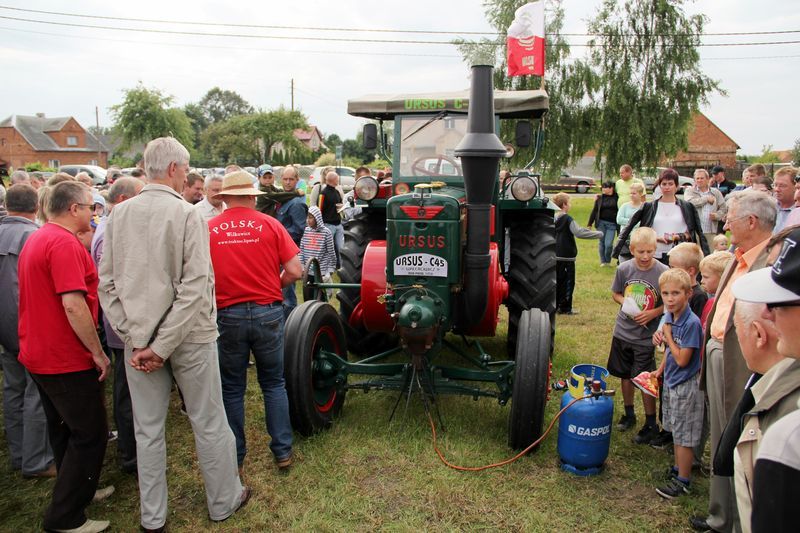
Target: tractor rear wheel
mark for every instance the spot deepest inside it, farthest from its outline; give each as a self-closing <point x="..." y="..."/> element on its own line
<point x="315" y="399"/>
<point x="531" y="374"/>
<point x="357" y="235"/>
<point x="532" y="272"/>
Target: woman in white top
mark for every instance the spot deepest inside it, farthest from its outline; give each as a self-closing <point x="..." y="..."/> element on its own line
<point x="674" y="220"/>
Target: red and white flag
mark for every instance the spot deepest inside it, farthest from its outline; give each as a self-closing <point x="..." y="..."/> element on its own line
<point x="525" y="41"/>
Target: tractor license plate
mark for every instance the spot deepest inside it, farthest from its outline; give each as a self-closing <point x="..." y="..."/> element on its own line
<point x="420" y="265"/>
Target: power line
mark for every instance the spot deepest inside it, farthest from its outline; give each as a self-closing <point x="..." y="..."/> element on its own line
<point x="306" y="51"/>
<point x="223" y="47"/>
<point x="339" y="39"/>
<point x="354" y="30"/>
<point x="240" y="25"/>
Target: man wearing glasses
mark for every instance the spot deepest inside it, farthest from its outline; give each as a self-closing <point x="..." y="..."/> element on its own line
<point x="58" y="287"/>
<point x="751" y="217"/>
<point x="776" y="477"/>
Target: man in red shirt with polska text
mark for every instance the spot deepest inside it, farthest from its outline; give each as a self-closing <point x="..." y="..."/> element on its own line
<point x="254" y="258"/>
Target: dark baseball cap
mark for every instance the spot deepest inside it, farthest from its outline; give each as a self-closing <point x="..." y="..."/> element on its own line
<point x="778" y="284"/>
<point x="717" y="169"/>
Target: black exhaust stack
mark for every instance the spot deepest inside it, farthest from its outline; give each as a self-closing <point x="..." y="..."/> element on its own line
<point x="480" y="152"/>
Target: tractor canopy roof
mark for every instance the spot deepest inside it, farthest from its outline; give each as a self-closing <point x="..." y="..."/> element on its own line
<point x="507" y="104"/>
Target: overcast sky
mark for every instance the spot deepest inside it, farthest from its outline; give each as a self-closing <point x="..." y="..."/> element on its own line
<point x="66" y="70"/>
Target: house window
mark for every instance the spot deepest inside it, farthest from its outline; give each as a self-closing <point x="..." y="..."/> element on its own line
<point x="54" y="163"/>
<point x="93" y="162"/>
<point x="72" y="140"/>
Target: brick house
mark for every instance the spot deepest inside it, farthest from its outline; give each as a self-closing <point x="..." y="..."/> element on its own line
<point x="311" y="138"/>
<point x="708" y="146"/>
<point x="51" y="141"/>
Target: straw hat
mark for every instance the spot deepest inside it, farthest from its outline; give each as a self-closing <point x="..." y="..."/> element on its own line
<point x="238" y="183"/>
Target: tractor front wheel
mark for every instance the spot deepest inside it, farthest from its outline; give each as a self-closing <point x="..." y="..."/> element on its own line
<point x="315" y="397"/>
<point x="532" y="272"/>
<point x="531" y="374"/>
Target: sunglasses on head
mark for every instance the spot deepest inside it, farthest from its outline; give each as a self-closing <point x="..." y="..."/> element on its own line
<point x="774" y="305"/>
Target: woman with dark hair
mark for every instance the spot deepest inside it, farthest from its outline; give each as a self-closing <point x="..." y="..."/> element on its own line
<point x="674" y="220"/>
<point x="604" y="217"/>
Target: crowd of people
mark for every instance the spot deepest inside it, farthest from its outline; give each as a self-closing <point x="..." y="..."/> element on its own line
<point x="229" y="250"/>
<point x="729" y="370"/>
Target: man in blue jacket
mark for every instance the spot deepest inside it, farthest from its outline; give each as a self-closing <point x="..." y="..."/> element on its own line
<point x="292" y="215"/>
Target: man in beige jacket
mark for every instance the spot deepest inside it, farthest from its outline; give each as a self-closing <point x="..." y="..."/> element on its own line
<point x="774" y="395"/>
<point x="157" y="289"/>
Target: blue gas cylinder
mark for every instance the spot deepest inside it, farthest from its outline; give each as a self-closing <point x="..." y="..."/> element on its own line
<point x="584" y="430"/>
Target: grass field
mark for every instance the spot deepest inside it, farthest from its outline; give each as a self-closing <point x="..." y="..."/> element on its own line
<point x="367" y="474"/>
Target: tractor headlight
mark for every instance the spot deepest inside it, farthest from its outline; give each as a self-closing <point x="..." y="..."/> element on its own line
<point x="366" y="188"/>
<point x="523" y="188"/>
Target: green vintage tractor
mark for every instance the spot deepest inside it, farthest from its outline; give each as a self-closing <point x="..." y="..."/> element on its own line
<point x="436" y="250"/>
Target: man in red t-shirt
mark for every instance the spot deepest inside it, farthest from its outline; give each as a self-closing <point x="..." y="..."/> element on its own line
<point x="58" y="344"/>
<point x="254" y="258"/>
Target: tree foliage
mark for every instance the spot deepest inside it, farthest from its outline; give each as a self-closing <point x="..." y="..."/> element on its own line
<point x="566" y="137"/>
<point x="767" y="156"/>
<point x="631" y="98"/>
<point x="251" y="138"/>
<point x="144" y="115"/>
<point x="219" y="105"/>
<point x="646" y="80"/>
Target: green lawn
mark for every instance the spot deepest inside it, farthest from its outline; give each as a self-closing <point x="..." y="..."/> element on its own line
<point x="367" y="474"/>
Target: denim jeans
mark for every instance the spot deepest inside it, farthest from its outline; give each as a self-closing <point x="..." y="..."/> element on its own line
<point x="606" y="245"/>
<point x="337" y="230"/>
<point x="250" y="327"/>
<point x="289" y="300"/>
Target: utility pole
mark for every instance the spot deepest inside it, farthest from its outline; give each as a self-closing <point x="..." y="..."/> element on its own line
<point x="292" y="94"/>
<point x="97" y="133"/>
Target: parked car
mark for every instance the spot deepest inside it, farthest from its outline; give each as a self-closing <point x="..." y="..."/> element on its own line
<point x="98" y="174"/>
<point x="346" y="177"/>
<point x="567" y="182"/>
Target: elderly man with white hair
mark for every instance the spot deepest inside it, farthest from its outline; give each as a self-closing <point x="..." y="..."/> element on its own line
<point x="20" y="176"/>
<point x="157" y="288"/>
<point x="776" y="476"/>
<point x="751" y="217"/>
<point x="771" y="393"/>
<point x="211" y="205"/>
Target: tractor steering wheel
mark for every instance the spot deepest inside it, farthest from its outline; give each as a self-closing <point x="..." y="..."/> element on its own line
<point x="417" y="169"/>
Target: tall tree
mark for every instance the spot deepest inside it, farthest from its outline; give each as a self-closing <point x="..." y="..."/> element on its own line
<point x="251" y="137"/>
<point x="631" y="98"/>
<point x="646" y="80"/>
<point x="219" y="105"/>
<point x="566" y="137"/>
<point x="144" y="115"/>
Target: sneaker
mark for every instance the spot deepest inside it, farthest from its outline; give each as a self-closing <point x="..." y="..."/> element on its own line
<point x="646" y="434"/>
<point x="668" y="474"/>
<point x="662" y="441"/>
<point x="674" y="488"/>
<point x="626" y="422"/>
<point x="112" y="436"/>
<point x="102" y="494"/>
